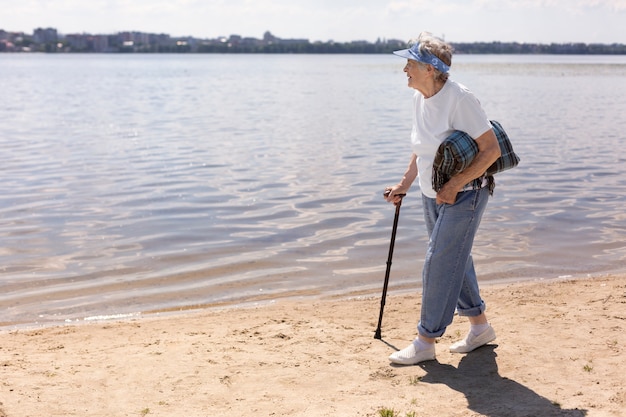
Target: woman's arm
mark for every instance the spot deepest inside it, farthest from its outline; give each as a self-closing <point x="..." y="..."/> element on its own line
<point x="403" y="186"/>
<point x="488" y="153"/>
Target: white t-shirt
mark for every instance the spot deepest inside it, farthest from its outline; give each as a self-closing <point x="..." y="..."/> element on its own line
<point x="454" y="107"/>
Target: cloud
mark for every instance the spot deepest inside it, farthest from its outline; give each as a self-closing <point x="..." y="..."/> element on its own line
<point x="401" y="6"/>
<point x="577" y="6"/>
<point x="614" y="5"/>
<point x="341" y="20"/>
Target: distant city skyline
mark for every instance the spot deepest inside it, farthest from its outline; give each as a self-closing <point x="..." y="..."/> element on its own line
<point x="532" y="21"/>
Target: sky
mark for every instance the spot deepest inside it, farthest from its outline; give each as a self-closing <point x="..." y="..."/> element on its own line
<point x="524" y="21"/>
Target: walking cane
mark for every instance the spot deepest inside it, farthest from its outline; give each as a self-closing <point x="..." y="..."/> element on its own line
<point x="377" y="335"/>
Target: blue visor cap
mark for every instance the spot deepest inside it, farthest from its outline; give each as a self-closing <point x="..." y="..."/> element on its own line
<point x="415" y="54"/>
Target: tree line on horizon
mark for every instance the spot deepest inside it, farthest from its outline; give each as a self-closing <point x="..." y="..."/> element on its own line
<point x="459" y="48"/>
<point x="364" y="48"/>
<point x="48" y="40"/>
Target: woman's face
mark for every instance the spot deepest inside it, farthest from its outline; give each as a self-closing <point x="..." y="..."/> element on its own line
<point x="415" y="73"/>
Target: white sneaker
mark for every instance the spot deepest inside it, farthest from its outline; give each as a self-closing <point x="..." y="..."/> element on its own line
<point x="413" y="354"/>
<point x="472" y="342"/>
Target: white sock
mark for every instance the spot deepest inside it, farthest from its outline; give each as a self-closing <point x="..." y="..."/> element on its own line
<point x="421" y="345"/>
<point x="477" y="329"/>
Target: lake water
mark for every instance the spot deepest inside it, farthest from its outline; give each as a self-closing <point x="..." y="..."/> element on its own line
<point x="154" y="183"/>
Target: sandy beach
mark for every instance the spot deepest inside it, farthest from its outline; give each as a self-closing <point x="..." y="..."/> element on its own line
<point x="559" y="352"/>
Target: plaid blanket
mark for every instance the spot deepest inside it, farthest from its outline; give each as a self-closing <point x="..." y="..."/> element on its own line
<point x="459" y="150"/>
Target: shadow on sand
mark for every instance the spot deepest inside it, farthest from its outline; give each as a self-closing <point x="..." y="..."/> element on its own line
<point x="490" y="394"/>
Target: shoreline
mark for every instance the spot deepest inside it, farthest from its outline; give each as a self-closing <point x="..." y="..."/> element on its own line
<point x="559" y="352"/>
<point x="399" y="289"/>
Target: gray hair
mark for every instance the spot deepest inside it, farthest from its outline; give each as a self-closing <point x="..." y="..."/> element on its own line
<point x="437" y="47"/>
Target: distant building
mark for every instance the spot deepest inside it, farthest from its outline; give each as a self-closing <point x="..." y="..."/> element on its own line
<point x="101" y="43"/>
<point x="234" y="40"/>
<point x="292" y="41"/>
<point x="6" y="46"/>
<point x="398" y="42"/>
<point x="77" y="42"/>
<point x="268" y="38"/>
<point x="45" y="36"/>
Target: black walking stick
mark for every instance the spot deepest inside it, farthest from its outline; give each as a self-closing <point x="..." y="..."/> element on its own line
<point x="377" y="335"/>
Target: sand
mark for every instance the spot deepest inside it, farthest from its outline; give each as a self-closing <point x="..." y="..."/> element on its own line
<point x="560" y="351"/>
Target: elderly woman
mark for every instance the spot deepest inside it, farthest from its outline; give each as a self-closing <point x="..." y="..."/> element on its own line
<point x="453" y="213"/>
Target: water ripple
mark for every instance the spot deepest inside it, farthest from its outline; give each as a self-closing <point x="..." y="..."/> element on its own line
<point x="153" y="183"/>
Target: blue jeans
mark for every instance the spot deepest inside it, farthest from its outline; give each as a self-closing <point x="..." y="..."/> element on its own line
<point x="449" y="279"/>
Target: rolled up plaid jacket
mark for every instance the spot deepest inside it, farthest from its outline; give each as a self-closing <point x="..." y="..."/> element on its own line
<point x="459" y="150"/>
